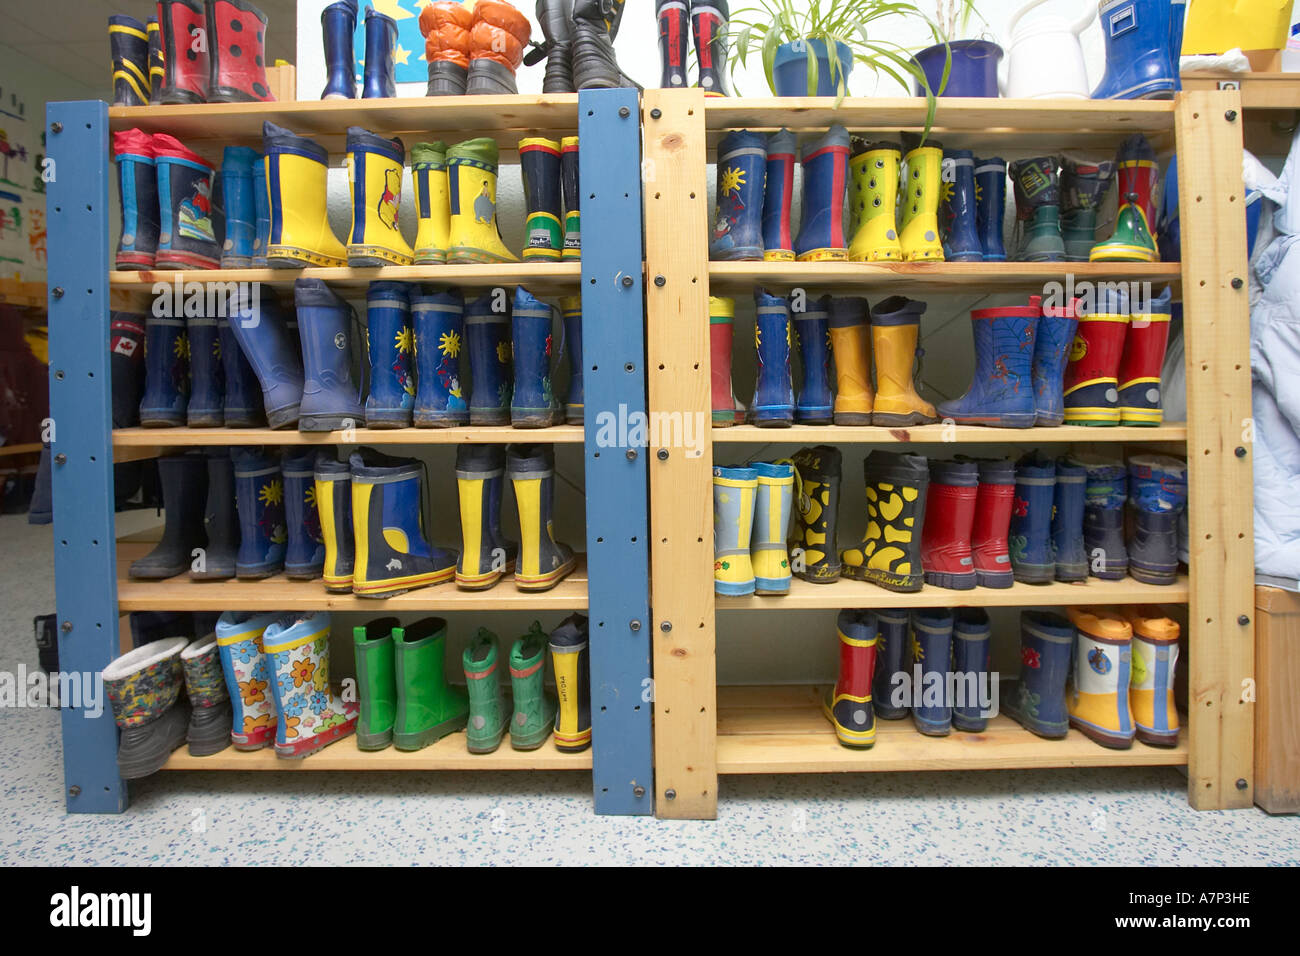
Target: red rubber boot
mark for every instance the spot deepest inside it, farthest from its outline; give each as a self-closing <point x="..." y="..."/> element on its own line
<point x="949" y="518"/>
<point x="993" y="504"/>
<point x="726" y="410"/>
<point x="849" y="706"/>
<point x="185" y="42"/>
<point x="237" y="51"/>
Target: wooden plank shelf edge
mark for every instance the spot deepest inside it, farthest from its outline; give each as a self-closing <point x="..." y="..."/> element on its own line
<point x="156" y="438"/>
<point x="945" y="434"/>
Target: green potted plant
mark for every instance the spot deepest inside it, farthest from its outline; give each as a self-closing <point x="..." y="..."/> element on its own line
<point x="956" y="66"/>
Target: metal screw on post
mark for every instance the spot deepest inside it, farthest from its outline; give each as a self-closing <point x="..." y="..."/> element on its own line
<point x="56" y="127"/>
<point x="666" y="626"/>
<point x="631" y="454"/>
<point x="1237" y="283"/>
<point x="624" y="112"/>
<point x="1241" y="783"/>
<point x="57" y="292"/>
<point x="627" y="282"/>
<point x="663" y="454"/>
<point x="66" y="627"/>
<point x="1240" y="452"/>
<point x="656" y="113"/>
<point x="74" y="790"/>
<point x="638" y="791"/>
<point x="660" y="281"/>
<point x="1243" y="620"/>
<point x="670" y="794"/>
<point x="634" y="624"/>
<point x="60" y="459"/>
<point x="1230" y="116"/>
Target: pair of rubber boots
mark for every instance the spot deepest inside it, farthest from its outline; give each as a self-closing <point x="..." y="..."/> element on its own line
<point x="708" y="24"/>
<point x="194" y="52"/>
<point x="971" y="209"/>
<point x="550" y="173"/>
<point x="889" y="553"/>
<point x="532" y="714"/>
<point x="968" y="515"/>
<point x="751" y="512"/>
<point x="1021" y="354"/>
<point x="473" y="49"/>
<point x="338" y="22"/>
<point x="277" y="671"/>
<point x="1148" y="496"/>
<point x="1046" y="533"/>
<point x="145" y="687"/>
<point x="1109" y="675"/>
<point x="894" y="200"/>
<point x="1116" y="361"/>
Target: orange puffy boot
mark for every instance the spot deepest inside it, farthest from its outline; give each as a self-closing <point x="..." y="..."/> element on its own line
<point x="445" y="26"/>
<point x="1151" y="675"/>
<point x="497" y="41"/>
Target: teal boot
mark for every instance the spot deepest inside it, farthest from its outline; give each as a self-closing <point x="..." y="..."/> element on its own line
<point x="376" y="683"/>
<point x="1038" y="209"/>
<point x="487" y="707"/>
<point x="534" y="709"/>
<point x="428" y="708"/>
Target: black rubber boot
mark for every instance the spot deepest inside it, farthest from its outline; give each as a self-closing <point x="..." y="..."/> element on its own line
<point x="595" y="25"/>
<point x="222" y="522"/>
<point x="556" y="19"/>
<point x="184" y="484"/>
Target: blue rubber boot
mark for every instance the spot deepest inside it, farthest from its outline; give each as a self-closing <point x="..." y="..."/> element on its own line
<point x="183" y="479"/>
<point x="893" y="658"/>
<point x="243" y="399"/>
<point x="334" y="508"/>
<point x="261" y="214"/>
<point x="1030" y="537"/>
<point x="1068" y="550"/>
<point x="259" y="496"/>
<point x="304" y="557"/>
<point x="972" y="640"/>
<point x="734" y="491"/>
<point x="816" y="406"/>
<point x="1037" y="187"/>
<point x="961" y="240"/>
<point x="137" y="185"/>
<point x="778" y="233"/>
<point x="1177" y="22"/>
<point x="241" y="214"/>
<point x="1052" y="341"/>
<point x="1001" y="391"/>
<point x="932" y="663"/>
<point x="439" y="321"/>
<point x="1105" y="492"/>
<point x="330" y="400"/>
<point x="338" y="22"/>
<point x="1157" y="495"/>
<point x="1036" y="700"/>
<point x="991" y="206"/>
<point x="378" y="79"/>
<point x="742" y="167"/>
<point x="390" y="341"/>
<point x="825" y="163"/>
<point x="166" y="372"/>
<point x="575" y="401"/>
<point x="773" y="404"/>
<point x="267" y="335"/>
<point x="207" y="403"/>
<point x="1140" y="61"/>
<point x="533" y="403"/>
<point x="487" y="336"/>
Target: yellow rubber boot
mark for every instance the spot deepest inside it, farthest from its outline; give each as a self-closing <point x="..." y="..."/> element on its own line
<point x="296" y="170"/>
<point x="472" y="187"/>
<point x="734" y="491"/>
<point x="919" y="219"/>
<point x="895" y="328"/>
<point x="375" y="167"/>
<point x="1098" y="695"/>
<point x="851" y="342"/>
<point x="1151" y="675"/>
<point x="873" y="201"/>
<point x="432" y="206"/>
<point x="772" y="503"/>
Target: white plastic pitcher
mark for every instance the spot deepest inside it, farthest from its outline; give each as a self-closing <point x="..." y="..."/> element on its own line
<point x="1044" y="57"/>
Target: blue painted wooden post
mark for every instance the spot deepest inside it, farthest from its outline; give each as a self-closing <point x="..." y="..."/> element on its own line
<point x="614" y="380"/>
<point x="85" y="568"/>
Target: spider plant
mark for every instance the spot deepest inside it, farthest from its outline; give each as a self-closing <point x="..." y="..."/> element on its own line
<point x="953" y="17"/>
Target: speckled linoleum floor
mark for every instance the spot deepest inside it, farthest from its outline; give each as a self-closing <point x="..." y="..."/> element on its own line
<point x="1062" y="817"/>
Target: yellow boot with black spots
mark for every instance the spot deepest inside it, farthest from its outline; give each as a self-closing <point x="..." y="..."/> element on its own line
<point x="890" y="552"/>
<point x="815" y="557"/>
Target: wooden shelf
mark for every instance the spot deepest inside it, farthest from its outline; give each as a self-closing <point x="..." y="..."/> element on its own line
<point x="1259" y="91"/>
<point x="782" y="730"/>
<point x="280" y="594"/>
<point x="154" y="440"/>
<point x="538" y="276"/>
<point x="936" y="277"/>
<point x="449" y="753"/>
<point x="846" y="592"/>
<point x="940" y="435"/>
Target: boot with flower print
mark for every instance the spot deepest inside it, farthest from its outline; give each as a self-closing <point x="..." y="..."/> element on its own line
<point x="144" y="687"/>
<point x="209" y="697"/>
<point x="311" y="715"/>
<point x="247" y="671"/>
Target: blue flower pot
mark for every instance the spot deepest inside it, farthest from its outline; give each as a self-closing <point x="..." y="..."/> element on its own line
<point x="790" y="70"/>
<point x="974" y="70"/>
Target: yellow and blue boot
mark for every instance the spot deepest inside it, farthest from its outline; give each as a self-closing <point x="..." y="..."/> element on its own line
<point x="439" y="321"/>
<point x="241" y="216"/>
<point x="893" y="658"/>
<point x="1036" y="700"/>
<point x="186" y="207"/>
<point x="932" y="664"/>
<point x="533" y="403"/>
<point x="304" y="556"/>
<point x="390" y="342"/>
<point x="392" y="554"/>
<point x="1138" y="178"/>
<point x="895" y="332"/>
<point x="772" y="505"/>
<point x="817" y="482"/>
<point x="734" y="493"/>
<point x="918" y="221"/>
<point x="890" y="551"/>
<point x="825" y="163"/>
<point x="248" y="675"/>
<point x="539" y="163"/>
<point x="570" y="660"/>
<point x="309" y="714"/>
<point x="372" y="645"/>
<point x="574" y="401"/>
<point x="742" y="167"/>
<point x="542" y="562"/>
<point x="1151" y="675"/>
<point x="569" y="183"/>
<point x="534" y="709"/>
<point x="300" y="235"/>
<point x="1098" y="695"/>
<point x="334" y="508"/>
<point x="137" y="185"/>
<point x="259" y="495"/>
<point x="850" y="335"/>
<point x="128" y="44"/>
<point x="473" y="235"/>
<point x="972" y="639"/>
<point x="428" y="708"/>
<point x="432" y="203"/>
<point x="488" y="338"/>
<point x="773" y="404"/>
<point x="375" y="166"/>
<point x="848" y="705"/>
<point x="330" y="400"/>
<point x="488" y="714"/>
<point x="873" y="202"/>
<point x="813" y="336"/>
<point x="485" y="554"/>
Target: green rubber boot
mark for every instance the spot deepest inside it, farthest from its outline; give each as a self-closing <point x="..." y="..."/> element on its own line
<point x="428" y="708"/>
<point x="487" y="708"/>
<point x="376" y="683"/>
<point x="534" y="709"/>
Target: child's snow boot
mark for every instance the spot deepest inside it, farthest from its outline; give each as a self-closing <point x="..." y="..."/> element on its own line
<point x="488" y="716"/>
<point x="1001" y="391"/>
<point x="263" y="529"/>
<point x="445" y="26"/>
<point x="485" y="553"/>
<point x="971" y="641"/>
<point x="533" y="403"/>
<point x="539" y="163"/>
<point x="1031" y="520"/>
<point x="918" y="221"/>
<point x="428" y="707"/>
<point x="570" y="660"/>
<point x="812" y="332"/>
<point x="497" y="41"/>
<point x="186" y="234"/>
<point x="850" y="337"/>
<point x="210" y="708"/>
<point x="488" y="338"/>
<point x="1151" y="675"/>
<point x="1140" y="367"/>
<point x="248" y="675"/>
<point x="994" y="503"/>
<point x="1083" y="190"/>
<point x="1068" y="550"/>
<point x="432" y="203"/>
<point x="825" y="163"/>
<point x="137" y="185"/>
<point x="304" y="557"/>
<point x="309" y="714"/>
<point x="375" y="166"/>
<point x="742" y="167"/>
<point x="778" y="194"/>
<point x="439" y="325"/>
<point x="1157" y="494"/>
<point x="207" y="404"/>
<point x="1099" y="684"/>
<point x="848" y="705"/>
<point x="1036" y="700"/>
<point x="1038" y="210"/>
<point x="817" y="482"/>
<point x="338" y="23"/>
<point x="1105" y="492"/>
<point x="221" y="522"/>
<point x="893" y="658"/>
<point x="473" y="235"/>
<point x="949" y="519"/>
<point x="295" y="183"/>
<point x="542" y="562"/>
<point x="144" y="687"/>
<point x="727" y="411"/>
<point x="990" y="206"/>
<point x="1052" y="343"/>
<point x="533" y="709"/>
<point x="378" y="78"/>
<point x="1091" y="385"/>
<point x="873" y="202"/>
<point x="595" y="25"/>
<point x="772" y="501"/>
<point x="268" y="338"/>
<point x="372" y="644"/>
<point x="734" y="491"/>
<point x="330" y="400"/>
<point x="569" y="183"/>
<point x="574" y="401"/>
<point x="166" y="373"/>
<point x="128" y="45"/>
<point x="237" y="53"/>
<point x="895" y="329"/>
<point x="1134" y="238"/>
<point x="932" y="660"/>
<point x="773" y="404"/>
<point x="390" y="342"/>
<point x="961" y="242"/>
<point x="890" y="552"/>
<point x="334" y="507"/>
<point x="185" y="47"/>
<point x="184" y="492"/>
<point x="1141" y="59"/>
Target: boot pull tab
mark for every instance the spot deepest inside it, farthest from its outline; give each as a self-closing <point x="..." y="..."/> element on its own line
<point x="539" y="52"/>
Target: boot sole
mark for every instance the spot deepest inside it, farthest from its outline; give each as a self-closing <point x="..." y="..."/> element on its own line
<point x="1042" y="575"/>
<point x="493" y="417"/>
<point x="1163" y="578"/>
<point x="547" y="581"/>
<point x="890" y="420"/>
<point x="531" y="742"/>
<point x="823" y="579"/>
<point x="282" y="417"/>
<point x="384" y="590"/>
<point x="430" y="735"/>
<point x="150" y="763"/>
<point x="156" y="574"/>
<point x="221" y="574"/>
<point x="729" y="589"/>
<point x="1096" y="735"/>
<point x="329" y="423"/>
<point x="999" y="580"/>
<point x="1015" y="420"/>
<point x="852" y="418"/>
<point x="383" y="419"/>
<point x="970" y="726"/>
<point x="952" y="582"/>
<point x="308" y="747"/>
<point x="372" y="742"/>
<point x="377" y="262"/>
<point x="302" y="574"/>
<point x="1158" y="738"/>
<point x="424" y="421"/>
<point x="912" y="584"/>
